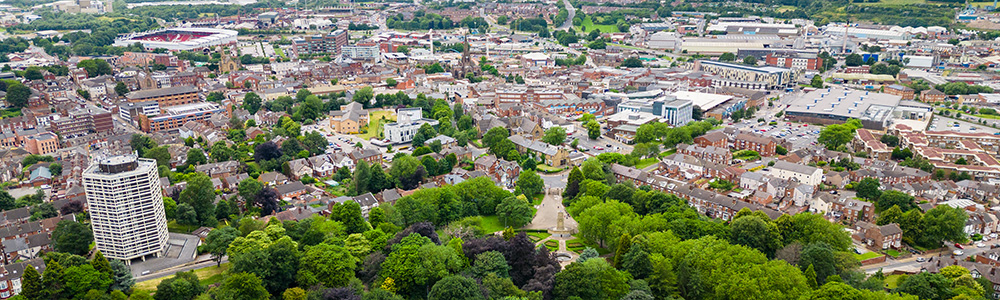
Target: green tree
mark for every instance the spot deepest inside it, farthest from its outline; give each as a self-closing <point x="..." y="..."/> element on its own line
<point x="362" y="176"/>
<point x="100" y="263"/>
<point x="249" y="188"/>
<point x="455" y="287"/>
<point x="890" y="215"/>
<point x="83" y="278"/>
<point x="942" y="223"/>
<point x="330" y="265"/>
<point x="750" y="60"/>
<point x="632" y="62"/>
<point x="196" y="157"/>
<point x="893" y="198"/>
<point x="121" y="89"/>
<point x="624" y="244"/>
<point x="927" y="286"/>
<point x="31" y="284"/>
<point x="836" y="135"/>
<point x="817" y="81"/>
<point x="555" y="135"/>
<point x="217" y="242"/>
<point x="593" y="222"/>
<point x="514" y="211"/>
<point x="200" y="195"/>
<point x="757" y="233"/>
<point x="18" y="95"/>
<point x="72" y="237"/>
<point x="853" y="60"/>
<point x="592" y="279"/>
<point x="349" y="214"/>
<point x="364" y="96"/>
<point x="160" y="154"/>
<point x="529" y="184"/>
<point x="251" y="102"/>
<point x="868" y="188"/>
<point x="183" y="286"/>
<point x="593" y="129"/>
<point x="490" y="262"/>
<point x="242" y="286"/>
<point x="121" y="276"/>
<point x="728" y="56"/>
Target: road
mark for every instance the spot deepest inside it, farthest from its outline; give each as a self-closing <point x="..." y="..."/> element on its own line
<point x="569" y="19"/>
<point x="911" y="264"/>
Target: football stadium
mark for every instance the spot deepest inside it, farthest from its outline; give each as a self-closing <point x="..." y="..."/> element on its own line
<point x="179" y="39"/>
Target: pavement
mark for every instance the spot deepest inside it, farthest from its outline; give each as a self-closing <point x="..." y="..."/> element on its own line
<point x="182" y="249"/>
<point x="548" y="212"/>
<point x="557" y="180"/>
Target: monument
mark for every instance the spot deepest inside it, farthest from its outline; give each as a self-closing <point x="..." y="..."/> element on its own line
<point x="560" y="230"/>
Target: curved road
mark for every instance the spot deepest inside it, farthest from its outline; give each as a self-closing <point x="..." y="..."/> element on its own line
<point x="569" y="18"/>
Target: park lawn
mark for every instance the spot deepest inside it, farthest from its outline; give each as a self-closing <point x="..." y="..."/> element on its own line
<point x="375" y="120"/>
<point x="208" y="275"/>
<point x="668" y="152"/>
<point x="537" y="199"/>
<point x="491" y="224"/>
<point x="646" y="162"/>
<point x="867" y="255"/>
<point x="578" y="245"/>
<point x="589" y="24"/>
<point x="538" y="235"/>
<point x="172" y="226"/>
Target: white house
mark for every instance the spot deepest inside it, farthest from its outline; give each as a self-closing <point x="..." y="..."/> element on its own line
<point x="801" y="173"/>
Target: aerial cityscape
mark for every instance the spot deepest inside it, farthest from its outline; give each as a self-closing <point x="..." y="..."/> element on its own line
<point x="499" y="149"/>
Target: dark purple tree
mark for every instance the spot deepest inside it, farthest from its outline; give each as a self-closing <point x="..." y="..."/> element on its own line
<point x="266" y="151"/>
<point x="370" y="267"/>
<point x="267" y="200"/>
<point x="520" y="254"/>
<point x="340" y="294"/>
<point x="423" y="228"/>
<point x="71" y="207"/>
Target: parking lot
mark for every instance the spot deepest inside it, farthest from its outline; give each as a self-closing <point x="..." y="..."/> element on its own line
<point x="944" y="123"/>
<point x="600" y="145"/>
<point x="798" y="134"/>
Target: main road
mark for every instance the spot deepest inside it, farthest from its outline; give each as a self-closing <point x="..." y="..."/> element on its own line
<point x="569" y="19"/>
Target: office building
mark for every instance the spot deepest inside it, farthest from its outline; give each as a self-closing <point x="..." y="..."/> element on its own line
<point x="668" y="108"/>
<point x="677" y="112"/>
<point x="126" y="207"/>
<point x="174" y="117"/>
<point x="84" y="120"/>
<point x="41" y="143"/>
<point x="796" y="60"/>
<point x="370" y="52"/>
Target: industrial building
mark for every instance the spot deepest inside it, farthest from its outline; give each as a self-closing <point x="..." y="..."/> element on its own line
<point x="748" y="77"/>
<point x="126" y="207"/>
<point x="835" y="106"/>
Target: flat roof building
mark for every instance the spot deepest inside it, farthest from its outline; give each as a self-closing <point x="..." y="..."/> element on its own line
<point x="835" y="106"/>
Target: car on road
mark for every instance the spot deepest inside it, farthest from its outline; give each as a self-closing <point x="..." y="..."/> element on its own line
<point x="959" y="246"/>
<point x="598" y="148"/>
<point x="921" y="259"/>
<point x="958" y="252"/>
<point x="980" y="244"/>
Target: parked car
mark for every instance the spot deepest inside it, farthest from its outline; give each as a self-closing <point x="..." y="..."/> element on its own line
<point x="959" y="246"/>
<point x="958" y="252"/>
<point x="921" y="259"/>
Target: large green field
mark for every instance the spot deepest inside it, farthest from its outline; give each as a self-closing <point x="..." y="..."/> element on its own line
<point x="588" y="26"/>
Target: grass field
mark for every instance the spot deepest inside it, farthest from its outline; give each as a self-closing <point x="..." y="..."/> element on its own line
<point x="375" y="121"/>
<point x="209" y="275"/>
<point x="491" y="224"/>
<point x="552" y="245"/>
<point x="588" y="23"/>
<point x="892" y="253"/>
<point x="577" y="245"/>
<point x="538" y="236"/>
<point x="280" y="52"/>
<point x="892" y="281"/>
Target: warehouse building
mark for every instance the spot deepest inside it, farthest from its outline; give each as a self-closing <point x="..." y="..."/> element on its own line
<point x="835" y="106"/>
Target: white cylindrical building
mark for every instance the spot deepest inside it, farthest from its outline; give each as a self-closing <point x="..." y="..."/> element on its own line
<point x="126" y="207"/>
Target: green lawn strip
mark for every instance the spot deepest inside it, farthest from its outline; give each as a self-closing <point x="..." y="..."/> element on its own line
<point x="590" y="26"/>
<point x="172" y="226"/>
<point x="892" y="281"/>
<point x="892" y="253"/>
<point x="867" y="255"/>
<point x="646" y="162"/>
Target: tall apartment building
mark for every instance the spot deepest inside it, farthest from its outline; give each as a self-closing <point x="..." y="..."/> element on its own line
<point x="748" y="77"/>
<point x="177" y="95"/>
<point x="321" y="44"/>
<point x="126" y="207"/>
